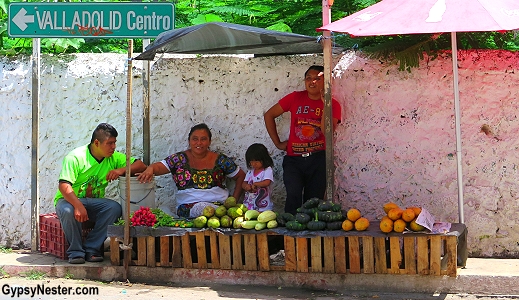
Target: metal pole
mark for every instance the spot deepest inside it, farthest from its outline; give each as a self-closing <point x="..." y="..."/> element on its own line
<point x="146" y="106"/>
<point x="35" y="198"/>
<point x="328" y="121"/>
<point x="458" y="125"/>
<point x="126" y="212"/>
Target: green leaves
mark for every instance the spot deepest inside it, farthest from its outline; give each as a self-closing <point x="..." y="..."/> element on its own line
<point x="4" y="4"/>
<point x="61" y="45"/>
<point x="405" y="50"/>
<point x="163" y="219"/>
<point x="280" y="27"/>
<point x="201" y="19"/>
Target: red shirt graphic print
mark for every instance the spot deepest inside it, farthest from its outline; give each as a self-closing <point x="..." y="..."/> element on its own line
<point x="305" y="122"/>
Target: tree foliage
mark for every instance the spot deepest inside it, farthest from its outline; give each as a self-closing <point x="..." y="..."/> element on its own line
<point x="298" y="16"/>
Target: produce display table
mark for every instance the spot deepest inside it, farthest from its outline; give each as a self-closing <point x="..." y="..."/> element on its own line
<point x="341" y="252"/>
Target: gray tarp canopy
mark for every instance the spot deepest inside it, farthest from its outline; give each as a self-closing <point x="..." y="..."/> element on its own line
<point x="227" y="38"/>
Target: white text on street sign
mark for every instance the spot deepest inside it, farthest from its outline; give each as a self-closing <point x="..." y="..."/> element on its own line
<point x="102" y="20"/>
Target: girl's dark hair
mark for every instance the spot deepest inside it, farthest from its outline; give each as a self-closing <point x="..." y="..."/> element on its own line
<point x="102" y="132"/>
<point x="202" y="126"/>
<point x="316" y="68"/>
<point x="260" y="153"/>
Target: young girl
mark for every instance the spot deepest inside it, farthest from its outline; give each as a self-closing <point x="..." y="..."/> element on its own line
<point x="258" y="180"/>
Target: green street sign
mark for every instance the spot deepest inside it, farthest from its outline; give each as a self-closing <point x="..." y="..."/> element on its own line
<point x="93" y="19"/>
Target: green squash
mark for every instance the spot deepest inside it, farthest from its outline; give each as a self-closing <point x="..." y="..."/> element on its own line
<point x="294" y="225"/>
<point x="325" y="205"/>
<point x="311" y="203"/>
<point x="335" y="225"/>
<point x="316" y="224"/>
<point x="302" y="218"/>
<point x="287" y="216"/>
<point x="281" y="221"/>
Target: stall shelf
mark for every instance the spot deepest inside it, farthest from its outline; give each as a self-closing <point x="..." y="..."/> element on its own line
<point x="340" y="252"/>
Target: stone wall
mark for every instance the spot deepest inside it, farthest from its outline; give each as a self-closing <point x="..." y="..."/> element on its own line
<point x="396" y="142"/>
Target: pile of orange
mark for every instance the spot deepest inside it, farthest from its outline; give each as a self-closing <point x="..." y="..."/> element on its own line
<point x="355" y="220"/>
<point x="397" y="219"/>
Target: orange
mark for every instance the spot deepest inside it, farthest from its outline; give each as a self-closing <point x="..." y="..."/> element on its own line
<point x="353" y="214"/>
<point x="408" y="215"/>
<point x="389" y="206"/>
<point x="399" y="225"/>
<point x="361" y="224"/>
<point x="417" y="210"/>
<point x="386" y="225"/>
<point x="385" y="217"/>
<point x="395" y="213"/>
<point x="347" y="225"/>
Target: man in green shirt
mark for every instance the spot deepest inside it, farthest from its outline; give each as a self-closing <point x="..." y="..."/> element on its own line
<point x="85" y="174"/>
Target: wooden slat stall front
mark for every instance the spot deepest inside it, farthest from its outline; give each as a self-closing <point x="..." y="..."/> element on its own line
<point x="340" y="252"/>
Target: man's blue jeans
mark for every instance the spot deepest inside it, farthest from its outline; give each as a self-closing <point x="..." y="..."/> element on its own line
<point x="102" y="211"/>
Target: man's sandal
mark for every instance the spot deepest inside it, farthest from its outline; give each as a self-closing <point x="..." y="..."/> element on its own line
<point x="76" y="260"/>
<point x="94" y="258"/>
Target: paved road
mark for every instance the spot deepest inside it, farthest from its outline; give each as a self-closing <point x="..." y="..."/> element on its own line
<point x="54" y="288"/>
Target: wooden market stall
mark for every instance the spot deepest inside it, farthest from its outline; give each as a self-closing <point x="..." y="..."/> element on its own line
<point x="339" y="252"/>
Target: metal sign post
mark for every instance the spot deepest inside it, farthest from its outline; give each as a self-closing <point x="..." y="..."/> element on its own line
<point x="35" y="94"/>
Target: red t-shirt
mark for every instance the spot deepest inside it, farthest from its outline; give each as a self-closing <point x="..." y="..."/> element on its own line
<point x="305" y="122"/>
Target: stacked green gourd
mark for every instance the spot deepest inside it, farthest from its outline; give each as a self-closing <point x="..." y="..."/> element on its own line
<point x="314" y="214"/>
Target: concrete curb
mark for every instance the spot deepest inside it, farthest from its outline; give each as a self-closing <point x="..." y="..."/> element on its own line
<point x="482" y="276"/>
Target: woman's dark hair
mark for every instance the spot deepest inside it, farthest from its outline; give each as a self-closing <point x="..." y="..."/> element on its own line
<point x="316" y="68"/>
<point x="259" y="153"/>
<point x="202" y="126"/>
<point x="102" y="132"/>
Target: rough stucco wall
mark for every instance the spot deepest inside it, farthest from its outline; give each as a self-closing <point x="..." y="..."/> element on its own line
<point x="76" y="93"/>
<point x="396" y="142"/>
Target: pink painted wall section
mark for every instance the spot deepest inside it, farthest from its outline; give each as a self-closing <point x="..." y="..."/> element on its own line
<point x="397" y="142"/>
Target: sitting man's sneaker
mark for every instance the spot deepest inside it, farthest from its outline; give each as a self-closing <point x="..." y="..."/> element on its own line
<point x="94" y="258"/>
<point x="76" y="260"/>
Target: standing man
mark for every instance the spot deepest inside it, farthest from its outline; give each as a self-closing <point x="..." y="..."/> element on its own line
<point x="84" y="177"/>
<point x="304" y="165"/>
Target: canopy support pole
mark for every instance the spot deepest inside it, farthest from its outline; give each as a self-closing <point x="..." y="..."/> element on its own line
<point x="126" y="212"/>
<point x="146" y="106"/>
<point x="458" y="125"/>
<point x="328" y="121"/>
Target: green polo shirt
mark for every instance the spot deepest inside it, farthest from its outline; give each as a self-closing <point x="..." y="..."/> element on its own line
<point x="85" y="173"/>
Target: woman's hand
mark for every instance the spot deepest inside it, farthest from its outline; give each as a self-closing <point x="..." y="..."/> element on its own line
<point x="147" y="175"/>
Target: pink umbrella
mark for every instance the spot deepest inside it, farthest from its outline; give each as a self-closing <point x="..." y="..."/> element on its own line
<point x="390" y="17"/>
